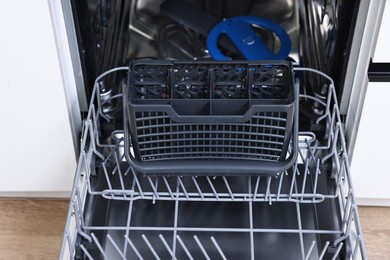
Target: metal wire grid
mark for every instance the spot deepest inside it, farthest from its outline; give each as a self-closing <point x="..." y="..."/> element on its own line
<point x="301" y="184"/>
<point x="305" y="187"/>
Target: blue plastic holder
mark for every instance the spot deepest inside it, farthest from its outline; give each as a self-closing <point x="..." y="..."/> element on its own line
<point x="240" y="31"/>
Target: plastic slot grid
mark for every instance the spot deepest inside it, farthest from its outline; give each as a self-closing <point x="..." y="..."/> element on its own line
<point x="348" y="232"/>
<point x="191" y="81"/>
<point x="159" y="137"/>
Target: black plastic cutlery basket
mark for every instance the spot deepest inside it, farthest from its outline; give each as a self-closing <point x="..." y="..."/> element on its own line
<point x="210" y="117"/>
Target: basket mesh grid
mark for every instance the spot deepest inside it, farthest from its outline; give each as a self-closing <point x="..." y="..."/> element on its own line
<point x="159" y="137"/>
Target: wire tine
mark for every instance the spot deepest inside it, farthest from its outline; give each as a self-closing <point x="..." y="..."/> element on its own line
<point x="212" y="187"/>
<point x="110" y="154"/>
<point x="251" y="236"/>
<point x="87" y="180"/>
<point x="116" y="247"/>
<point x="98" y="245"/>
<point x="86" y="252"/>
<point x="78" y="220"/>
<point x="310" y="151"/>
<point x="127" y="171"/>
<point x="153" y="187"/>
<point x="301" y="241"/>
<point x="310" y="250"/>
<point x="122" y="155"/>
<point x="117" y="157"/>
<point x="324" y="250"/>
<point x="150" y="246"/>
<point x="293" y="181"/>
<point x="71" y="245"/>
<point x="183" y="188"/>
<point x="305" y="174"/>
<point x="120" y="175"/>
<point x="356" y="248"/>
<point x="175" y="222"/>
<point x="137" y="182"/>
<point x="76" y="204"/>
<point x="107" y="179"/>
<point x="280" y="185"/>
<point x="201" y="247"/>
<point x="133" y="182"/>
<point x="197" y="187"/>
<point x="93" y="144"/>
<point x="128" y="221"/>
<point x="168" y="188"/>
<point x="156" y="185"/>
<point x="184" y="247"/>
<point x="343" y="166"/>
<point x="218" y="248"/>
<point x="347" y="212"/>
<point x="133" y="247"/>
<point x="333" y="146"/>
<point x="84" y="235"/>
<point x="268" y="191"/>
<point x="167" y="246"/>
<point x="256" y="187"/>
<point x="350" y="220"/>
<point x="339" y="187"/>
<point x="336" y="254"/>
<point x="300" y="152"/>
<point x="317" y="173"/>
<point x="228" y="187"/>
<point x="249" y="184"/>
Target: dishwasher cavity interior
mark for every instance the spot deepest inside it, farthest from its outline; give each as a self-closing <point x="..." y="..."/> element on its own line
<point x="305" y="212"/>
<point x="112" y="33"/>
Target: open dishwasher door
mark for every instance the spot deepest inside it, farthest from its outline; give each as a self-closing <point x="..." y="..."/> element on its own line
<point x="119" y="210"/>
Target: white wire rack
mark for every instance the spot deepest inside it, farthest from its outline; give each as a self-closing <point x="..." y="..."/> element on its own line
<point x="306" y="212"/>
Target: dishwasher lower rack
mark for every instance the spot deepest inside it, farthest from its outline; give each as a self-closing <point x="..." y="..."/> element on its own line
<point x="306" y="212"/>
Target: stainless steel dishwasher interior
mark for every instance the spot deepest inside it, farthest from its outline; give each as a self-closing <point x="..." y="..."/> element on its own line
<point x="146" y="22"/>
<point x="113" y="33"/>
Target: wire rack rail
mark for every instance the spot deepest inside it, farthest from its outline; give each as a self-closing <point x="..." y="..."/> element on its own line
<point x="306" y="212"/>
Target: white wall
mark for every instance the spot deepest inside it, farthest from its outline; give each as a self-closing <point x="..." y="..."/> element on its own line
<point x="371" y="159"/>
<point x="37" y="152"/>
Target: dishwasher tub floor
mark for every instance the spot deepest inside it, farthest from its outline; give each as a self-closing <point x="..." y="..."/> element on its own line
<point x="231" y="229"/>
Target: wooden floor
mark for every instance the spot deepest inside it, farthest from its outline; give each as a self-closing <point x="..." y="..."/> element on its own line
<point x="32" y="229"/>
<point x="375" y="223"/>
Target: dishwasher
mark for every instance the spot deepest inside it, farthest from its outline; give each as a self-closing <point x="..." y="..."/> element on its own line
<point x="196" y="147"/>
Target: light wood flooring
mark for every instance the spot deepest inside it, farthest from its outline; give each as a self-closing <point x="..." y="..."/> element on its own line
<point x="33" y="228"/>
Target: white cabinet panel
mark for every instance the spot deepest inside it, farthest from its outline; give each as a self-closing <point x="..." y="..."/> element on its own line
<point x="382" y="51"/>
<point x="37" y="149"/>
<point x="371" y="157"/>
